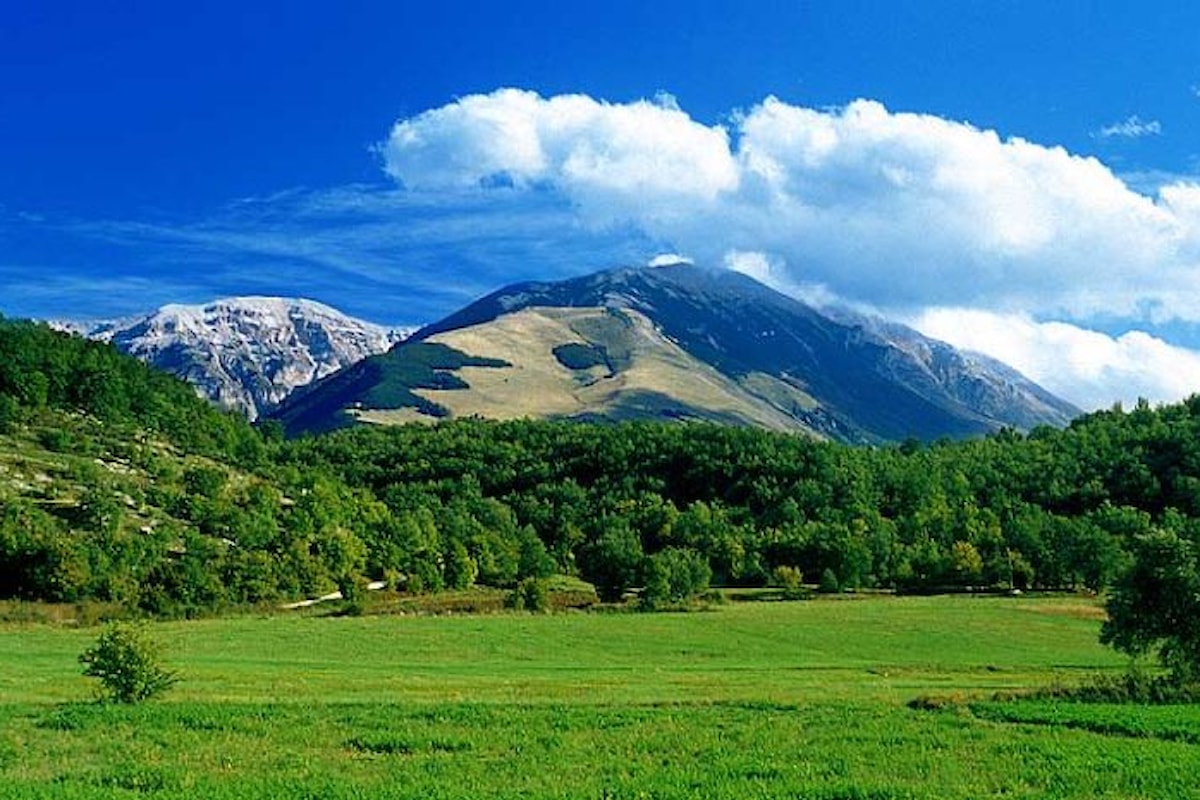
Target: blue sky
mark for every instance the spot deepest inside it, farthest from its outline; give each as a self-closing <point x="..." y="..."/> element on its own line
<point x="1017" y="177"/>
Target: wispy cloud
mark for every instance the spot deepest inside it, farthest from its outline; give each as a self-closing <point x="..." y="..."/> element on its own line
<point x="386" y="254"/>
<point x="1133" y="127"/>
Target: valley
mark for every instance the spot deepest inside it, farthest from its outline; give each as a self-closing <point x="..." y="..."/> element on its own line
<point x="767" y="700"/>
<point x="655" y="600"/>
<point x="613" y="401"/>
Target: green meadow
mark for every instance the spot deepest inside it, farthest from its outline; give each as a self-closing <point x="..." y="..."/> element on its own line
<point x="748" y="700"/>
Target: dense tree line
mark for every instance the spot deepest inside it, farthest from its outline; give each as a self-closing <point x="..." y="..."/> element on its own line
<point x="1053" y="509"/>
<point x="210" y="511"/>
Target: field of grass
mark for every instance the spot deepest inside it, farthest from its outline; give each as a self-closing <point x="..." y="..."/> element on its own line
<point x="751" y="700"/>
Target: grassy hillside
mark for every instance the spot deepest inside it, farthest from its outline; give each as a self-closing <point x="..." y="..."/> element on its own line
<point x="118" y="485"/>
<point x="751" y="700"/>
<point x="580" y="363"/>
<point x="639" y="363"/>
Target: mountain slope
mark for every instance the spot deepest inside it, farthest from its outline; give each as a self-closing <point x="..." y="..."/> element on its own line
<point x="246" y="353"/>
<point x="763" y="359"/>
<point x="588" y="362"/>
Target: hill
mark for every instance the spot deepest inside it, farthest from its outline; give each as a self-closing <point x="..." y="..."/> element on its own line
<point x="118" y="484"/>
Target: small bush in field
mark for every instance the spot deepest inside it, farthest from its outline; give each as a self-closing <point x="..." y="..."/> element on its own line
<point x="530" y="594"/>
<point x="128" y="664"/>
<point x="791" y="581"/>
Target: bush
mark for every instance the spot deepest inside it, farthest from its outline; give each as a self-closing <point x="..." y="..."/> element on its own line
<point x="829" y="582"/>
<point x="354" y="595"/>
<point x="791" y="581"/>
<point x="530" y="594"/>
<point x="128" y="664"/>
<point x="673" y="576"/>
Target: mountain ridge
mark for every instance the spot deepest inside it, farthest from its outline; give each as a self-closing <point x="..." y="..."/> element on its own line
<point x="857" y="380"/>
<point x="245" y="353"/>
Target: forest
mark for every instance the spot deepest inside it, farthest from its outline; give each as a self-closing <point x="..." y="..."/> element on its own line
<point x="118" y="484"/>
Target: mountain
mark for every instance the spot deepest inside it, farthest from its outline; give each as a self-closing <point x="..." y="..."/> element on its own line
<point x="245" y="353"/>
<point x="679" y="341"/>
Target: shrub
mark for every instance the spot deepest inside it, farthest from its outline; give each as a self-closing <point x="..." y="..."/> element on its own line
<point x="791" y="581"/>
<point x="613" y="563"/>
<point x="673" y="576"/>
<point x="128" y="664"/>
<point x="354" y="594"/>
<point x="530" y="594"/>
<point x="829" y="582"/>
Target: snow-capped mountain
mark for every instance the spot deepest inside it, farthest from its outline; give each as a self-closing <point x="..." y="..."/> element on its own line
<point x="246" y="353"/>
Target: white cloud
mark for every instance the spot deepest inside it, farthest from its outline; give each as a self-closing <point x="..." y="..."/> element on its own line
<point x="1090" y="368"/>
<point x="668" y="259"/>
<point x="896" y="211"/>
<point x="616" y="160"/>
<point x="1131" y="128"/>
<point x="753" y="263"/>
<point x="772" y="272"/>
<point x="892" y="209"/>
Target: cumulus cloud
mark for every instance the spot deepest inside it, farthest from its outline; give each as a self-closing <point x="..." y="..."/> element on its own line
<point x="897" y="211"/>
<point x="607" y="157"/>
<point x="1091" y="368"/>
<point x="894" y="209"/>
<point x="1133" y="127"/>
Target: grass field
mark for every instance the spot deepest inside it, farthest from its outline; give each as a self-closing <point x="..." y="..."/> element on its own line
<point x="751" y="700"/>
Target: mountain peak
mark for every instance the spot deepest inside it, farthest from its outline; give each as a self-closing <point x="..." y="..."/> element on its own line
<point x="722" y="346"/>
<point x="246" y="353"/>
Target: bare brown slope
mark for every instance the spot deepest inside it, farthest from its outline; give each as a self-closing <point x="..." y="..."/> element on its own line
<point x="642" y="373"/>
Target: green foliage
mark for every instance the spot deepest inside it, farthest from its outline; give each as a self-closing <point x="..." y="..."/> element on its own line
<point x="966" y="563"/>
<point x="531" y="594"/>
<point x="120" y="485"/>
<point x="787" y="577"/>
<point x="354" y="594"/>
<point x="578" y="356"/>
<point x="1155" y="604"/>
<point x="829" y="583"/>
<point x="46" y="370"/>
<point x="461" y="570"/>
<point x="10" y="413"/>
<point x="791" y="580"/>
<point x="673" y="576"/>
<point x="613" y="563"/>
<point x="128" y="664"/>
